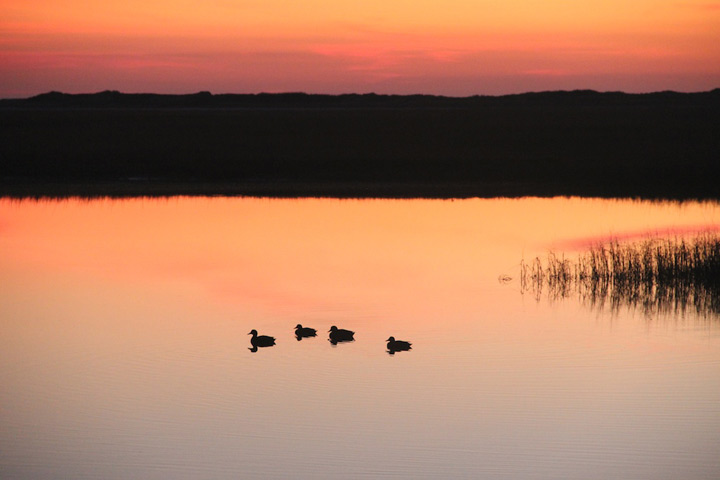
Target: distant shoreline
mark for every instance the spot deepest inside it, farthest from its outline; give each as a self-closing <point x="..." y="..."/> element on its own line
<point x="156" y="188"/>
<point x="140" y="188"/>
<point x="204" y="99"/>
<point x="659" y="145"/>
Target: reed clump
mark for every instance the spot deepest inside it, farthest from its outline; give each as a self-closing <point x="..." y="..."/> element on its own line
<point x="658" y="275"/>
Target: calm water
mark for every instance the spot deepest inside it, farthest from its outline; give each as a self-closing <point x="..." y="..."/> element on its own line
<point x="124" y="346"/>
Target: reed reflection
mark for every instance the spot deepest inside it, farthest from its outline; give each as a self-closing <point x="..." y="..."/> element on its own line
<point x="657" y="276"/>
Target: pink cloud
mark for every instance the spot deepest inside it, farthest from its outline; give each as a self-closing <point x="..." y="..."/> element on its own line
<point x="637" y="235"/>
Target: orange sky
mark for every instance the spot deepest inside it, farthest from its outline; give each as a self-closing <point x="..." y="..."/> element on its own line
<point x="456" y="47"/>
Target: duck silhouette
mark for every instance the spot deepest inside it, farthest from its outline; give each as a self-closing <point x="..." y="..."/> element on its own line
<point x="397" y="345"/>
<point x="338" y="335"/>
<point x="260" y="340"/>
<point x="304" y="332"/>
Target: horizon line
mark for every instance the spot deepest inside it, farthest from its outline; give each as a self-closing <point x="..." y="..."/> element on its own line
<point x="280" y="93"/>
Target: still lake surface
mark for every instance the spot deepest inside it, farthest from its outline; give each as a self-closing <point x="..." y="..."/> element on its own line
<point x="124" y="343"/>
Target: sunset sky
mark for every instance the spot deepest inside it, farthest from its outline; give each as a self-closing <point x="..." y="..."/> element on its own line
<point x="456" y="47"/>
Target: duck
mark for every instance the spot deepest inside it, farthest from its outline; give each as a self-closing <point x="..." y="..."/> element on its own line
<point x="261" y="340"/>
<point x="302" y="332"/>
<point x="398" y="345"/>
<point x="340" y="335"/>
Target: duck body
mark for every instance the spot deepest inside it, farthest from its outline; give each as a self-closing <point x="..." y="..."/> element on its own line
<point x="340" y="335"/>
<point x="398" y="345"/>
<point x="303" y="332"/>
<point x="261" y="340"/>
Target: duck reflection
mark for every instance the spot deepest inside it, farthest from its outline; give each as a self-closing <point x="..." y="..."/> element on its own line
<point x="397" y="345"/>
<point x="304" y="332"/>
<point x="340" y="335"/>
<point x="260" y="340"/>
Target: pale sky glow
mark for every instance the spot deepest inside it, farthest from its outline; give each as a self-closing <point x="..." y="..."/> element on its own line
<point x="459" y="47"/>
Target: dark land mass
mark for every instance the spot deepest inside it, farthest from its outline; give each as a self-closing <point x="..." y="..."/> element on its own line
<point x="658" y="145"/>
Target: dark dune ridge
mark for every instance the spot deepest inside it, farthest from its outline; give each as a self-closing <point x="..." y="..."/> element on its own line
<point x="658" y="145"/>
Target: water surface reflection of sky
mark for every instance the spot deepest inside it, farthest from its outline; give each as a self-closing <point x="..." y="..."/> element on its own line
<point x="123" y="344"/>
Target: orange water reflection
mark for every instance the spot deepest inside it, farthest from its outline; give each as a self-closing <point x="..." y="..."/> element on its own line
<point x="124" y="324"/>
<point x="290" y="256"/>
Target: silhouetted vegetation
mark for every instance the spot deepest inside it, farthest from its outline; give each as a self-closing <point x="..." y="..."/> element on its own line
<point x="657" y="275"/>
<point x="555" y="143"/>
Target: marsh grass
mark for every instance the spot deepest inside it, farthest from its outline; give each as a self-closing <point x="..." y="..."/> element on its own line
<point x="657" y="275"/>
